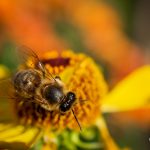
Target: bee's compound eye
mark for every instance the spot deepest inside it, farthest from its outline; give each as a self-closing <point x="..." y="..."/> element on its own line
<point x="53" y="94"/>
<point x="68" y="103"/>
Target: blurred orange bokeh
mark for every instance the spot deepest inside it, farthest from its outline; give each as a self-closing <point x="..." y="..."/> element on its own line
<point x="28" y="28"/>
<point x="31" y="23"/>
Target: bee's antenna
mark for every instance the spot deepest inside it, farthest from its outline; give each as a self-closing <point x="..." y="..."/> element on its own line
<point x="76" y="119"/>
<point x="28" y="51"/>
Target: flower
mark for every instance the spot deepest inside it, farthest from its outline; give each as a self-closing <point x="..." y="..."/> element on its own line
<point x="82" y="76"/>
<point x="73" y="70"/>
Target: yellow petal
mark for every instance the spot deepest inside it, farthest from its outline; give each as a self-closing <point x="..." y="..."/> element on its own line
<point x="131" y="93"/>
<point x="66" y="74"/>
<point x="16" y="136"/>
<point x="3" y="71"/>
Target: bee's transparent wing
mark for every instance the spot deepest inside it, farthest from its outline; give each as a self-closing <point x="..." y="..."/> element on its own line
<point x="5" y="86"/>
<point x="25" y="53"/>
<point x="5" y="100"/>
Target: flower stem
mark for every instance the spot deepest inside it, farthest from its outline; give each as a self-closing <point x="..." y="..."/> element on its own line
<point x="108" y="140"/>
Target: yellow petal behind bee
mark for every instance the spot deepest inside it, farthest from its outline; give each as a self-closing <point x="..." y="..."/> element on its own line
<point x="15" y="136"/>
<point x="131" y="93"/>
<point x="66" y="74"/>
<point x="3" y="72"/>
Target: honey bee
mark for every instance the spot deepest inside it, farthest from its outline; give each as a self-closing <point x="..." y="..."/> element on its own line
<point x="38" y="85"/>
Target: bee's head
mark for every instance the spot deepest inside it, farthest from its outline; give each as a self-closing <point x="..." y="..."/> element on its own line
<point x="71" y="96"/>
<point x="68" y="102"/>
